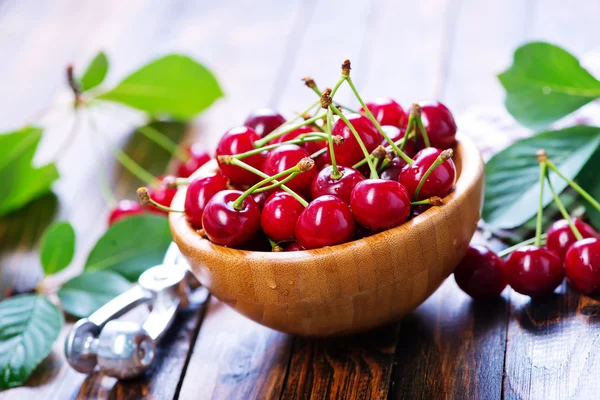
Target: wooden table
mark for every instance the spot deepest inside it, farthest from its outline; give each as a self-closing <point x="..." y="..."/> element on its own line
<point x="450" y="347"/>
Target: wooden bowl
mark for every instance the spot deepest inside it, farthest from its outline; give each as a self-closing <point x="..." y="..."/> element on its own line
<point x="350" y="287"/>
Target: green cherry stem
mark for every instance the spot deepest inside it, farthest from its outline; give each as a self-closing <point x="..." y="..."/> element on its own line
<point x="542" y="160"/>
<point x="563" y="210"/>
<point x="312" y="85"/>
<point x="335" y="172"/>
<point x="163" y="141"/>
<point x="443" y="157"/>
<point x="278" y="184"/>
<point x="275" y="134"/>
<point x="145" y="199"/>
<point x="304" y="138"/>
<point x="433" y="201"/>
<point x="574" y="185"/>
<point x="258" y="172"/>
<point x="416" y="110"/>
<point x="372" y="168"/>
<point x="303" y="165"/>
<point x="527" y="242"/>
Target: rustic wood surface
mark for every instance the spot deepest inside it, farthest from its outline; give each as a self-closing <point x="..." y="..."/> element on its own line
<point x="450" y="347"/>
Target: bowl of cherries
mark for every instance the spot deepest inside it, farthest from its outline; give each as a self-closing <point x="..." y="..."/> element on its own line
<point x="335" y="221"/>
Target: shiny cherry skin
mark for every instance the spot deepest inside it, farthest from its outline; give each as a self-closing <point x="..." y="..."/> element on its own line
<point x="162" y="194"/>
<point x="349" y="153"/>
<point x="392" y="171"/>
<point x="439" y="183"/>
<point x="279" y="216"/>
<point x="199" y="192"/>
<point x="284" y="157"/>
<point x="387" y="112"/>
<point x="226" y="226"/>
<point x="582" y="265"/>
<point x="124" y="209"/>
<point x="311" y="147"/>
<point x="198" y="156"/>
<point x="342" y="187"/>
<point x="264" y="121"/>
<point x="326" y="221"/>
<point x="260" y="198"/>
<point x="379" y="204"/>
<point x="396" y="134"/>
<point x="480" y="274"/>
<point x="292" y="246"/>
<point x="439" y="124"/>
<point x="560" y="237"/>
<point x="534" y="271"/>
<point x="237" y="141"/>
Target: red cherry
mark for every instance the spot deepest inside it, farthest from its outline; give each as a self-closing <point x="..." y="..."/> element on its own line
<point x="162" y="194"/>
<point x="264" y="121"/>
<point x="285" y="157"/>
<point x="124" y="209"/>
<point x="237" y="141"/>
<point x="439" y="183"/>
<point x="392" y="171"/>
<point x="439" y="124"/>
<point x="325" y="222"/>
<point x="420" y="209"/>
<point x="311" y="147"/>
<point x="342" y="187"/>
<point x="349" y="153"/>
<point x="292" y="246"/>
<point x="560" y="237"/>
<point x="197" y="158"/>
<point x="225" y="225"/>
<point x="199" y="193"/>
<point x="480" y="274"/>
<point x="396" y="134"/>
<point x="387" y="112"/>
<point x="260" y="198"/>
<point x="279" y="216"/>
<point x="582" y="265"/>
<point x="534" y="271"/>
<point x="378" y="204"/>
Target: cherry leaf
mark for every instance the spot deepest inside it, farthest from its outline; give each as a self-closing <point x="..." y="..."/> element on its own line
<point x="95" y="73"/>
<point x="131" y="246"/>
<point x="21" y="182"/>
<point x="174" y="85"/>
<point x="57" y="248"/>
<point x="29" y="325"/>
<point x="512" y="175"/>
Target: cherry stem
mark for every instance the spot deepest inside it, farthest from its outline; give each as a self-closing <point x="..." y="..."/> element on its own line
<point x="247" y="167"/>
<point x="434" y="201"/>
<point x="372" y="168"/>
<point x="134" y="168"/>
<point x="303" y="165"/>
<point x="319" y="153"/>
<point x="145" y="199"/>
<point x="563" y="211"/>
<point x="333" y="92"/>
<point x="163" y="141"/>
<point x="416" y="111"/>
<point x="275" y="247"/>
<point x="574" y="185"/>
<point x="387" y="148"/>
<point x="278" y="184"/>
<point x="303" y="138"/>
<point x="527" y="242"/>
<point x="369" y="114"/>
<point x="538" y="225"/>
<point x="275" y="134"/>
<point x="335" y="172"/>
<point x="409" y="127"/>
<point x="444" y="156"/>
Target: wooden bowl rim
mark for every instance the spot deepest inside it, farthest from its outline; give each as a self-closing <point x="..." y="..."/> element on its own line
<point x="183" y="233"/>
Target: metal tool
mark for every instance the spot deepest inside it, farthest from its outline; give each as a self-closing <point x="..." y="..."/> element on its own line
<point x="125" y="349"/>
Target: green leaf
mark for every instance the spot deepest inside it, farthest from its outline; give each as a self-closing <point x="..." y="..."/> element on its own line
<point x="58" y="247"/>
<point x="588" y="179"/>
<point x="546" y="83"/>
<point x="174" y="85"/>
<point x="131" y="246"/>
<point x="29" y="325"/>
<point x="86" y="293"/>
<point x="95" y="72"/>
<point x="512" y="176"/>
<point x="21" y="182"/>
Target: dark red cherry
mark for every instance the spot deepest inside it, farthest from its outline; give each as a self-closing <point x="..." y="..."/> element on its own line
<point x="292" y="246"/>
<point x="199" y="193"/>
<point x="326" y="221"/>
<point x="392" y="171"/>
<point x="198" y="156"/>
<point x="439" y="123"/>
<point x="582" y="265"/>
<point x="420" y="209"/>
<point x="162" y="194"/>
<point x="124" y="209"/>
<point x="279" y="216"/>
<point x="226" y="226"/>
<point x="534" y="271"/>
<point x="264" y="121"/>
<point x="342" y="187"/>
<point x="378" y="204"/>
<point x="560" y="237"/>
<point x="260" y="198"/>
<point x="349" y="153"/>
<point x="387" y="112"/>
<point x="285" y="157"/>
<point x="396" y="134"/>
<point x="439" y="183"/>
<point x="480" y="274"/>
<point x="237" y="141"/>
